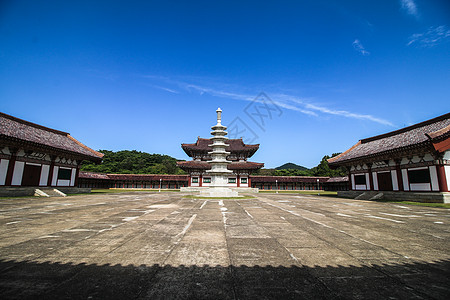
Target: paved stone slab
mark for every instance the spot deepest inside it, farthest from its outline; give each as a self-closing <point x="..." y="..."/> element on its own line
<point x="276" y="246"/>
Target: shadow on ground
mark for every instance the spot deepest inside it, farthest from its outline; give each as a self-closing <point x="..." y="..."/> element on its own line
<point x="49" y="280"/>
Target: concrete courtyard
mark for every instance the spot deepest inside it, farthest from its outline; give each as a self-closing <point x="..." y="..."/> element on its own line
<point x="275" y="246"/>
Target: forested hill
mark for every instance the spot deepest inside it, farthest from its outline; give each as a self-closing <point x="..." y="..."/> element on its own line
<point x="133" y="162"/>
<point x="136" y="162"/>
<point x="291" y="166"/>
<point x="290" y="169"/>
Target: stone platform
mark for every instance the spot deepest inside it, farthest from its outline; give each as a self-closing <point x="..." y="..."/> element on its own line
<point x="144" y="245"/>
<point x="434" y="197"/>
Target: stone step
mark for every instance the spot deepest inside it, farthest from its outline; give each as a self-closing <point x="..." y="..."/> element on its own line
<point x="49" y="192"/>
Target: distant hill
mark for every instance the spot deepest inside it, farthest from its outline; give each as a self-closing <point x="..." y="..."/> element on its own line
<point x="291" y="166"/>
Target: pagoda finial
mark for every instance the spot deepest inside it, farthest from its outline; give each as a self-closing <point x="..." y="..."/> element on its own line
<point x="219" y="116"/>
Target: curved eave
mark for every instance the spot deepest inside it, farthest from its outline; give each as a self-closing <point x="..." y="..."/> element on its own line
<point x="52" y="150"/>
<point x="380" y="155"/>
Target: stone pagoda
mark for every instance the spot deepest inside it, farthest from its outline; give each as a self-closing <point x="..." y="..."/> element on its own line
<point x="219" y="167"/>
<point x="219" y="172"/>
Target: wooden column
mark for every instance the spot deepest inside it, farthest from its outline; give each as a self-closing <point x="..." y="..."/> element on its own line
<point x="200" y="182"/>
<point x="238" y="180"/>
<point x="370" y="178"/>
<point x="249" y="181"/>
<point x="50" y="172"/>
<point x="399" y="175"/>
<point x="11" y="164"/>
<point x="349" y="178"/>
<point x="77" y="173"/>
<point x="443" y="187"/>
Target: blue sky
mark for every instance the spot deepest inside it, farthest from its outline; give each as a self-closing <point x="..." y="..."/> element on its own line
<point x="302" y="78"/>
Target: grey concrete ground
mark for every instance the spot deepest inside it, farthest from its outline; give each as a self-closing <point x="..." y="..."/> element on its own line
<point x="161" y="246"/>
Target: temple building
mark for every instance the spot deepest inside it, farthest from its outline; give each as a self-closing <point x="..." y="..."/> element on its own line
<point x="240" y="167"/>
<point x="36" y="156"/>
<point x="408" y="161"/>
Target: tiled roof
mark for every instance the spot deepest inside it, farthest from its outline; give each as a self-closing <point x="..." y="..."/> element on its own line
<point x="247" y="165"/>
<point x="412" y="137"/>
<point x="191" y="164"/>
<point x="235" y="146"/>
<point x="203" y="165"/>
<point x="338" y="179"/>
<point x="17" y="130"/>
<point x="149" y="177"/>
<point x="273" y="179"/>
<point x="92" y="175"/>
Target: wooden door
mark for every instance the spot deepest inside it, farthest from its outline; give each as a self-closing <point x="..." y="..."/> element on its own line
<point x="384" y="181"/>
<point x="31" y="175"/>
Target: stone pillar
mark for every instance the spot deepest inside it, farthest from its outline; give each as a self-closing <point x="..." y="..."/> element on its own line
<point x="11" y="164"/>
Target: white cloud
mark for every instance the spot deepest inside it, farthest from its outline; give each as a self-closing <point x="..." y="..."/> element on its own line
<point x="166" y="89"/>
<point x="360" y="48"/>
<point x="283" y="100"/>
<point x="409" y="7"/>
<point x="430" y="38"/>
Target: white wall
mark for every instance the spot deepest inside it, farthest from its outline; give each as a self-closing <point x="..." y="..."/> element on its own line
<point x="394" y="180"/>
<point x="18" y="173"/>
<point x="3" y="170"/>
<point x="244" y="184"/>
<point x="72" y="177"/>
<point x="447" y="175"/>
<point x="353" y="182"/>
<point x="405" y="179"/>
<point x="195" y="184"/>
<point x="375" y="181"/>
<point x="44" y="175"/>
<point x="63" y="182"/>
<point x="420" y="187"/>
<point x="55" y="175"/>
<point x="367" y="181"/>
<point x="434" y="179"/>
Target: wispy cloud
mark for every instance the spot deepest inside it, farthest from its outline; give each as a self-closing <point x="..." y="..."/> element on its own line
<point x="283" y="100"/>
<point x="360" y="48"/>
<point x="432" y="37"/>
<point x="410" y="7"/>
<point x="166" y="89"/>
<point x="322" y="109"/>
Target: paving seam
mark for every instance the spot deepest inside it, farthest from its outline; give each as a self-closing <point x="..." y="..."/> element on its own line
<point x="296" y="261"/>
<point x="393" y="277"/>
<point x="366" y="214"/>
<point x="133" y="237"/>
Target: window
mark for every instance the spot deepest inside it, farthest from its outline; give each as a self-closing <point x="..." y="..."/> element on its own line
<point x="231" y="180"/>
<point x="360" y="179"/>
<point x="64" y="174"/>
<point x="194" y="179"/>
<point x="243" y="180"/>
<point x="207" y="180"/>
<point x="419" y="176"/>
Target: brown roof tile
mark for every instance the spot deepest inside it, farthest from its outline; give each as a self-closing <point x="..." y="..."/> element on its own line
<point x="235" y="146"/>
<point x="273" y="179"/>
<point x="15" y="129"/>
<point x="415" y="136"/>
<point x="148" y="177"/>
<point x="203" y="165"/>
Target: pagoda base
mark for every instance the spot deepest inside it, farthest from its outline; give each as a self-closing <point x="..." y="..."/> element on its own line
<point x="218" y="192"/>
